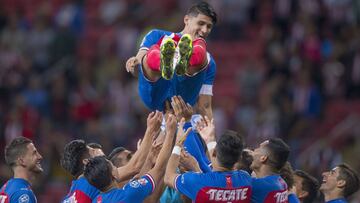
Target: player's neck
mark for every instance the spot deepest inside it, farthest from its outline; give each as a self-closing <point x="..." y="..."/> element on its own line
<point x="220" y="168"/>
<point x="264" y="171"/>
<point x="111" y="186"/>
<point x="332" y="195"/>
<point x="23" y="174"/>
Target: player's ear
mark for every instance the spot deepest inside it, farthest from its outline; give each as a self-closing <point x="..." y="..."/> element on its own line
<point x="20" y="161"/>
<point x="263" y="158"/>
<point x="85" y="161"/>
<point x="340" y="183"/>
<point x="186" y="19"/>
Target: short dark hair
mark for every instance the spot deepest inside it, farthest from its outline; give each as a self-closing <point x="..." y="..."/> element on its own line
<point x="16" y="148"/>
<point x="72" y="159"/>
<point x="98" y="172"/>
<point x="94" y="145"/>
<point x="279" y="153"/>
<point x="203" y="8"/>
<point x="309" y="184"/>
<point x="115" y="152"/>
<point x="229" y="148"/>
<point x="287" y="173"/>
<point x="351" y="178"/>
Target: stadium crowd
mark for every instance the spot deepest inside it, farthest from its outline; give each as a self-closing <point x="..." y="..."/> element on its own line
<point x="62" y="77"/>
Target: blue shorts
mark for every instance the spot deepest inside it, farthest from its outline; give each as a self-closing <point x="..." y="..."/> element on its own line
<point x="154" y="94"/>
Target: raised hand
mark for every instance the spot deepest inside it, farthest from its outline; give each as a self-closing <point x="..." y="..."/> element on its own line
<point x="154" y="121"/>
<point x="171" y="124"/>
<point x="188" y="162"/>
<point x="131" y="64"/>
<point x="181" y="109"/>
<point x="206" y="129"/>
<point x="154" y="152"/>
<point x="181" y="135"/>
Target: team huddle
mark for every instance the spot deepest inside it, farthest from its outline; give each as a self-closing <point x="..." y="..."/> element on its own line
<point x="179" y="158"/>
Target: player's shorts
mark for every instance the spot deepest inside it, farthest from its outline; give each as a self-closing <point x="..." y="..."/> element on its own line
<point x="153" y="94"/>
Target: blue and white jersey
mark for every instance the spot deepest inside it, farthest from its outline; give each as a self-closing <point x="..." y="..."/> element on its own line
<point x="339" y="200"/>
<point x="81" y="191"/>
<point x="17" y="190"/>
<point x="270" y="189"/>
<point x="292" y="198"/>
<point x="230" y="186"/>
<point x="154" y="94"/>
<point x="133" y="192"/>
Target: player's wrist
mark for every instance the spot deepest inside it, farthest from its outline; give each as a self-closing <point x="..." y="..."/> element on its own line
<point x="176" y="150"/>
<point x="211" y="145"/>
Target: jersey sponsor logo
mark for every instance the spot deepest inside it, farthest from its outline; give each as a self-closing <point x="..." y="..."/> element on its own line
<point x="24" y="198"/>
<point x="3" y="198"/>
<point x="235" y="195"/>
<point x="281" y="197"/>
<point x="277" y="197"/>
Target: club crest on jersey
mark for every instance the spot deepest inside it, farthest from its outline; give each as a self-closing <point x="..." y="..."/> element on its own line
<point x="24" y="198"/>
<point x="134" y="184"/>
<point x="71" y="199"/>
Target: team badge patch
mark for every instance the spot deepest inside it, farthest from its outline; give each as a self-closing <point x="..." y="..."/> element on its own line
<point x="24" y="198"/>
<point x="134" y="184"/>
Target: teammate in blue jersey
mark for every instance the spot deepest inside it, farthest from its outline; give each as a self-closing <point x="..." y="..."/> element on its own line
<point x="195" y="68"/>
<point x="222" y="184"/>
<point x="306" y="186"/>
<point x="268" y="159"/>
<point x="73" y="160"/>
<point x="24" y="159"/>
<point x="339" y="183"/>
<point x="100" y="173"/>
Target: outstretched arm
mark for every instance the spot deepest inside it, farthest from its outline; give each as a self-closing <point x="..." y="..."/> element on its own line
<point x="135" y="164"/>
<point x="173" y="163"/>
<point x="204" y="105"/>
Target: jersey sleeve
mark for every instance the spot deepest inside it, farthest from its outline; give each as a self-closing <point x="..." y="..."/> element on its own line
<point x="207" y="87"/>
<point x="188" y="184"/>
<point x="293" y="198"/>
<point x="23" y="196"/>
<point x="141" y="188"/>
<point x="150" y="39"/>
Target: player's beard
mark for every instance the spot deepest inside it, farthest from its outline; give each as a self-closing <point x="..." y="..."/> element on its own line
<point x="36" y="168"/>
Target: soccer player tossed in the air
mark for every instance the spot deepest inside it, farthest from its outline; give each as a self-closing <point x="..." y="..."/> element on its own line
<point x="24" y="159"/>
<point x="268" y="159"/>
<point x="339" y="183"/>
<point x="223" y="184"/>
<point x="163" y="53"/>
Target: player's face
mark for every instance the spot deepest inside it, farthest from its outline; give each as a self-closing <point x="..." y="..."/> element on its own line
<point x="258" y="155"/>
<point x="32" y="159"/>
<point x="330" y="179"/>
<point x="298" y="187"/>
<point x="124" y="157"/>
<point x="94" y="152"/>
<point x="198" y="26"/>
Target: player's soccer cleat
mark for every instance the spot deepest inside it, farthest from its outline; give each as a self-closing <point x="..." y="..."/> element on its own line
<point x="167" y="51"/>
<point x="184" y="50"/>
